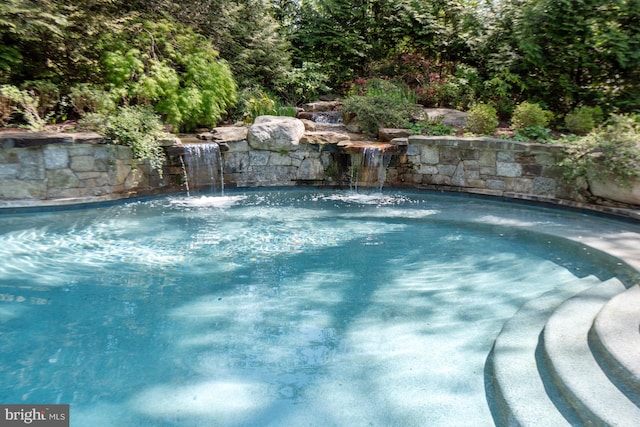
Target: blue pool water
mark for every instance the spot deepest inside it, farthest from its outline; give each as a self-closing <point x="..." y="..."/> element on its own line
<point x="279" y="307"/>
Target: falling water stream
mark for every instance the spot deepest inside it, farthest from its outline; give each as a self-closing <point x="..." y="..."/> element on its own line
<point x="369" y="168"/>
<point x="204" y="168"/>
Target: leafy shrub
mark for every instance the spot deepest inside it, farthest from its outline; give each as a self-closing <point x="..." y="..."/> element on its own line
<point x="139" y="128"/>
<point x="260" y="105"/>
<point x="95" y="122"/>
<point x="450" y="90"/>
<point x="375" y="112"/>
<point x="171" y="67"/>
<point x="535" y="133"/>
<point x="285" y="110"/>
<point x="27" y="104"/>
<point x="582" y="120"/>
<point x="254" y="102"/>
<point x="46" y="92"/>
<point x="87" y="98"/>
<point x="433" y="127"/>
<point x="482" y="119"/>
<point x="7" y="106"/>
<point x="381" y="103"/>
<point x="381" y="88"/>
<point x="303" y="84"/>
<point x="501" y="90"/>
<point x="611" y="150"/>
<point x="528" y="114"/>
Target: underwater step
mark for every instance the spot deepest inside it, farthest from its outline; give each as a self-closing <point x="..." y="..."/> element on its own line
<point x="575" y="373"/>
<point x="515" y="386"/>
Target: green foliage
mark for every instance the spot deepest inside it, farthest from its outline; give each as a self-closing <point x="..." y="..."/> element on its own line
<point x="529" y="115"/>
<point x="383" y="104"/>
<point x="433" y="127"/>
<point x="88" y="98"/>
<point x="91" y="121"/>
<point x="378" y="112"/>
<point x="47" y="93"/>
<point x="502" y="89"/>
<point x="172" y="68"/>
<point x="579" y="52"/>
<point x="254" y="102"/>
<point x="612" y="150"/>
<point x="451" y="53"/>
<point x="28" y="104"/>
<point x="138" y="128"/>
<point x="382" y="88"/>
<point x="582" y="120"/>
<point x="302" y="84"/>
<point x="29" y="31"/>
<point x="7" y="104"/>
<point x="482" y="119"/>
<point x="535" y="133"/>
<point x="257" y="103"/>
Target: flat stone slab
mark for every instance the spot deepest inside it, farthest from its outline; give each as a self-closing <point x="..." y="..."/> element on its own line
<point x="352" y="147"/>
<point x="324" y="138"/>
<point x="37" y="139"/>
<point x="225" y="134"/>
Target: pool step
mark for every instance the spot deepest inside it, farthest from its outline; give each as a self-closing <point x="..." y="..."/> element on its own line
<point x="572" y="365"/>
<point x="542" y="370"/>
<point x="615" y="339"/>
<point x="516" y="388"/>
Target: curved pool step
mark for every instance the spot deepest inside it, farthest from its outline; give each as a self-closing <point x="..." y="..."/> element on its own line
<point x="514" y="385"/>
<point x="615" y="339"/>
<point x="572" y="366"/>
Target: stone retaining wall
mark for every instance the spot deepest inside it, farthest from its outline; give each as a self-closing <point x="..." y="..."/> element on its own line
<point x="247" y="167"/>
<point x="482" y="165"/>
<point x="39" y="170"/>
<point x="39" y="167"/>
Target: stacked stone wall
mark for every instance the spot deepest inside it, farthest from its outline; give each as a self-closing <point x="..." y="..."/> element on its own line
<point x="36" y="168"/>
<point x="79" y="166"/>
<point x="481" y="165"/>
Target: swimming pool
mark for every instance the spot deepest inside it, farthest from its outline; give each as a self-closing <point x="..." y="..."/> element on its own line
<point x="276" y="307"/>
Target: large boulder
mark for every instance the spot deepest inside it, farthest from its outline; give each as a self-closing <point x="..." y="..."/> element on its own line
<point x="275" y="133"/>
<point x="606" y="187"/>
<point x="446" y="116"/>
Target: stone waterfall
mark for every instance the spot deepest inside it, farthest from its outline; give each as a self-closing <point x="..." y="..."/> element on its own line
<point x="368" y="163"/>
<point x="203" y="168"/>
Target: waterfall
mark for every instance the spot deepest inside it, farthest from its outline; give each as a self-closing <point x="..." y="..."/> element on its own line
<point x="185" y="175"/>
<point x="204" y="169"/>
<point x="369" y="168"/>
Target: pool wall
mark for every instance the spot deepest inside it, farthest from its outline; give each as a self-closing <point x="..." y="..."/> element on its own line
<point x="48" y="168"/>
